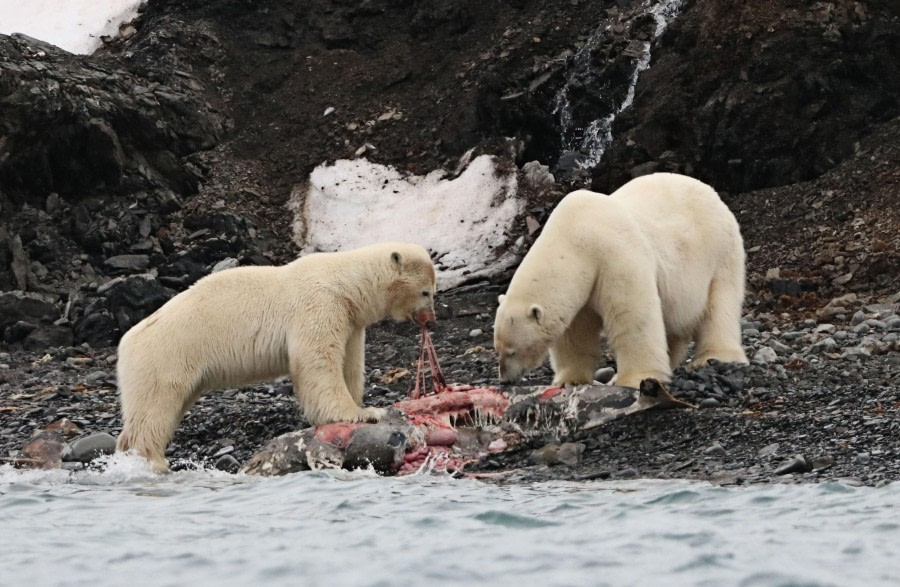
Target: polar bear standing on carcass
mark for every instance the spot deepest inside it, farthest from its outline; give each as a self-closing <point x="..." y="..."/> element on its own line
<point x="251" y="324"/>
<point x="657" y="264"/>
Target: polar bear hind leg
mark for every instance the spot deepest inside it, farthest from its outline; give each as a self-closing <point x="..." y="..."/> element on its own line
<point x="677" y="349"/>
<point x="150" y="417"/>
<point x="719" y="331"/>
<point x="355" y="365"/>
<point x="575" y="354"/>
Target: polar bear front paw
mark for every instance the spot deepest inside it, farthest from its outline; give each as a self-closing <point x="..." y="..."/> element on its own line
<point x="571" y="381"/>
<point x="371" y="414"/>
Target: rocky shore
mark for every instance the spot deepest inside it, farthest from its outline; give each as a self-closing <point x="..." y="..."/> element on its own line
<point x="819" y="402"/>
<point x="127" y="175"/>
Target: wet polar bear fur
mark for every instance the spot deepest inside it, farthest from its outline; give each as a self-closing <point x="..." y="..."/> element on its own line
<point x="252" y="324"/>
<point x="657" y="264"/>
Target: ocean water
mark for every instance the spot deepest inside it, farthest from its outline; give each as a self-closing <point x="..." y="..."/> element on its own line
<point x="126" y="526"/>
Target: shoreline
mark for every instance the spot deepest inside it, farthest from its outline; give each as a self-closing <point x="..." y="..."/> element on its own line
<point x="814" y="405"/>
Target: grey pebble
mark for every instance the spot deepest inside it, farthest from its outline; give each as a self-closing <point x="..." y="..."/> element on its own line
<point x="90" y="447"/>
<point x="96" y="377"/>
<point x="228" y="464"/>
<point x="604" y="374"/>
<point x="715" y="450"/>
<point x="710" y="402"/>
<point x="826" y="345"/>
<point x="225" y="450"/>
<point x="768" y="450"/>
<point x="765" y="355"/>
<point x="797" y="464"/>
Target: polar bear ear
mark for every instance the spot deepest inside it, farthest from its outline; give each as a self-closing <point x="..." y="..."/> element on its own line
<point x="536" y="313"/>
<point x="397" y="258"/>
<point x="501" y="298"/>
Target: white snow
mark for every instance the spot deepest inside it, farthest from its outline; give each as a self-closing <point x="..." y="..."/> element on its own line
<point x="466" y="223"/>
<point x="73" y="25"/>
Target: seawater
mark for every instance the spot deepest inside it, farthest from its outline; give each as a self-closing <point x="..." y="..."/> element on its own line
<point x="126" y="526"/>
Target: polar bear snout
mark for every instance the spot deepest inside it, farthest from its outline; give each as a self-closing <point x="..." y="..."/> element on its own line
<point x="510" y="372"/>
<point x="425" y="317"/>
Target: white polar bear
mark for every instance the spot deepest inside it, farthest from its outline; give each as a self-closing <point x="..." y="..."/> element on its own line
<point x="655" y="265"/>
<point x="251" y="324"/>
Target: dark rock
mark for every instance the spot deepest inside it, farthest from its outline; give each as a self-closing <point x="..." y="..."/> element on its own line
<point x="90" y="447"/>
<point x="226" y="223"/>
<point x="225" y="450"/>
<point x="605" y="374"/>
<point x="73" y="126"/>
<point x="45" y="450"/>
<point x="628" y="473"/>
<point x="570" y="453"/>
<point x="714" y="450"/>
<point x="18" y="306"/>
<point x="47" y="337"/>
<point x="227" y="463"/>
<point x="644" y="169"/>
<point x="95" y="377"/>
<point x="98" y="329"/>
<point x="558" y="454"/>
<point x="710" y="402"/>
<point x="785" y="287"/>
<point x="768" y="450"/>
<point x="767" y="126"/>
<point x="797" y="464"/>
<point x="134" y="298"/>
<point x="821" y="462"/>
<point x="128" y="263"/>
<point x="19" y="264"/>
<point x="18" y="331"/>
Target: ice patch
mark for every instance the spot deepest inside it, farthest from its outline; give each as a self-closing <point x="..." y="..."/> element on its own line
<point x="466" y="223"/>
<point x="73" y="25"/>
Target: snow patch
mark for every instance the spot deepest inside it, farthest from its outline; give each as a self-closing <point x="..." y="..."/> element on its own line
<point x="73" y="25"/>
<point x="466" y="223"/>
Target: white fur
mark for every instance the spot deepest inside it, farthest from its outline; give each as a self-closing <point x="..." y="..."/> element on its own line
<point x="657" y="264"/>
<point x="251" y="324"/>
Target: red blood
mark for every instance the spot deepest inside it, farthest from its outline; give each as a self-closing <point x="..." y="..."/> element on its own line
<point x="432" y="413"/>
<point x="424" y="317"/>
<point x="337" y="433"/>
<point x="548" y="393"/>
<point x="441" y="437"/>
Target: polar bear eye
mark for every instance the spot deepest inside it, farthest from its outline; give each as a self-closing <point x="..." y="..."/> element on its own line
<point x="511" y="353"/>
<point x="426" y="293"/>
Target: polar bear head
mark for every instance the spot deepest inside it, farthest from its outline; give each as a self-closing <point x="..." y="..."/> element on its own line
<point x="411" y="290"/>
<point x="521" y="337"/>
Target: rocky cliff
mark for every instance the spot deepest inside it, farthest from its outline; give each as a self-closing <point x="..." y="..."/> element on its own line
<point x="176" y="148"/>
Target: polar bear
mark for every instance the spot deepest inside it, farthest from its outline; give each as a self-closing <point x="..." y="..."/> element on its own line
<point x="655" y="265"/>
<point x="251" y="324"/>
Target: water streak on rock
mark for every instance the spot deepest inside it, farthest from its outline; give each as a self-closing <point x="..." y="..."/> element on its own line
<point x="588" y="144"/>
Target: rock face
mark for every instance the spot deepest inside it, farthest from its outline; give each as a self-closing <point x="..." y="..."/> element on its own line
<point x="724" y="102"/>
<point x="102" y="129"/>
